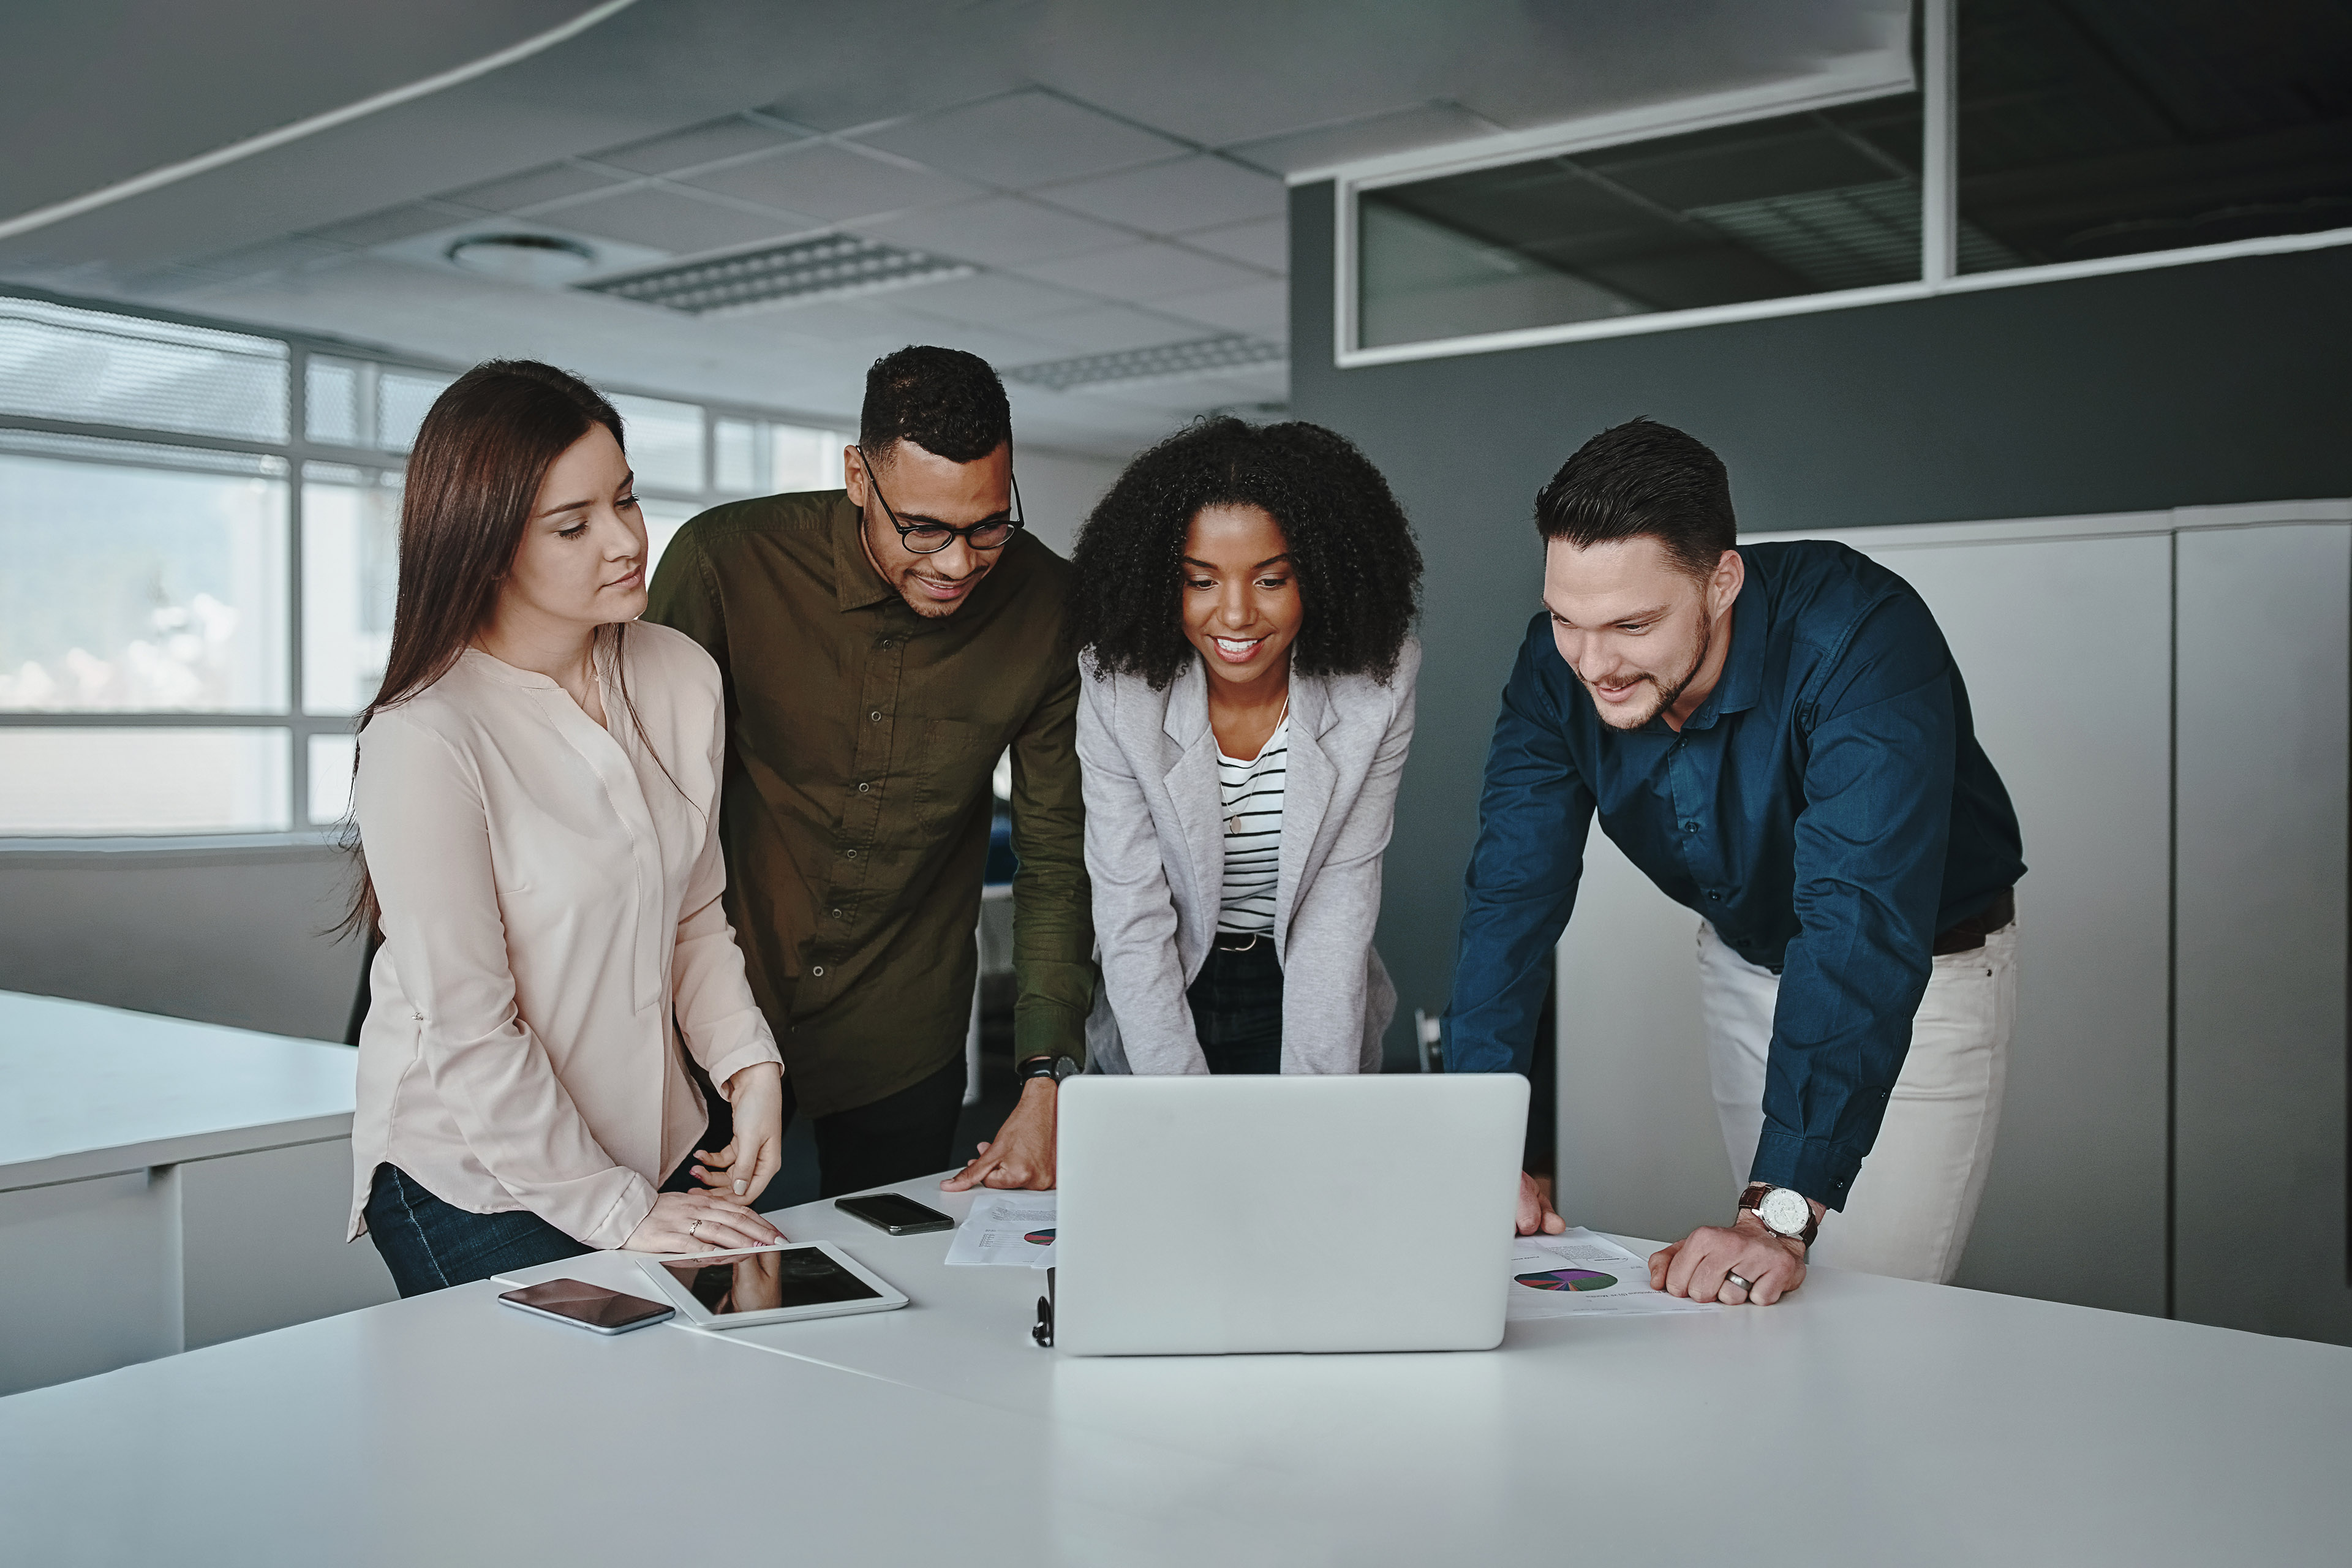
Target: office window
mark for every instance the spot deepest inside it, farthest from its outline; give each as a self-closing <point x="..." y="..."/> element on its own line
<point x="2094" y="130"/>
<point x="1800" y="203"/>
<point x="166" y="667"/>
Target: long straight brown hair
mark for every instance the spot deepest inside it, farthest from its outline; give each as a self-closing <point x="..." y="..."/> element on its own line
<point x="473" y="477"/>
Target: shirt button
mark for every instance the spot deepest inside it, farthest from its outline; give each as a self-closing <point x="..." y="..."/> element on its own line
<point x="816" y="972"/>
<point x="852" y="854"/>
<point x="1715" y="898"/>
<point x="874" y="716"/>
<point x="834" y="913"/>
<point x="1690" y="827"/>
<point x="863" y="787"/>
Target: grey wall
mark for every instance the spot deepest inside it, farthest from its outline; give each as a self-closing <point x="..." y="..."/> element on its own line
<point x="2211" y="384"/>
<point x="223" y="936"/>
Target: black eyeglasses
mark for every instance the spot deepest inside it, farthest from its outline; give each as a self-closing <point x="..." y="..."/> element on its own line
<point x="930" y="538"/>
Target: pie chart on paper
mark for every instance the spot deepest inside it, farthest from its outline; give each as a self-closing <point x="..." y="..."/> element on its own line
<point x="1568" y="1279"/>
<point x="1039" y="1238"/>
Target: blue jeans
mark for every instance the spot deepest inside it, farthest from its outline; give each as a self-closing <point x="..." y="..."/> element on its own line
<point x="429" y="1245"/>
<point x="1236" y="1003"/>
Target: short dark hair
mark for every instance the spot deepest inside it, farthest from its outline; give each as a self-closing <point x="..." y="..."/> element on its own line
<point x="945" y="401"/>
<point x="1642" y="478"/>
<point x="1359" y="570"/>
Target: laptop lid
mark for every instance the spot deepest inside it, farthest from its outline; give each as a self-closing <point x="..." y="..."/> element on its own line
<point x="1203" y="1216"/>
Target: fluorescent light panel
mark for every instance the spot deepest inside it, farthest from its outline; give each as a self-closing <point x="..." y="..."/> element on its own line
<point x="1168" y="362"/>
<point x="827" y="268"/>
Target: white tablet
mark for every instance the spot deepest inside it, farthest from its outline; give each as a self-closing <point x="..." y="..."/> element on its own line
<point x="769" y="1284"/>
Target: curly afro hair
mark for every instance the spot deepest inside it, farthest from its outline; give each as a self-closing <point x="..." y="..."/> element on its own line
<point x="1359" y="570"/>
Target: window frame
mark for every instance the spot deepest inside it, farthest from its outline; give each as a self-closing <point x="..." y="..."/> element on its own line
<point x="299" y="453"/>
<point x="1938" y="227"/>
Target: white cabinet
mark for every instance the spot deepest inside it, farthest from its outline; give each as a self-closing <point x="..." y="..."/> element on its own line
<point x="167" y="1186"/>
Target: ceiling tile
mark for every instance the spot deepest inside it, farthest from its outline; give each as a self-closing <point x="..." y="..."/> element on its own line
<point x="673" y="221"/>
<point x="1170" y="197"/>
<point x="1265" y="243"/>
<point x="1141" y="272"/>
<point x="384" y="227"/>
<point x="551" y="183"/>
<point x="1022" y="140"/>
<point x="998" y="231"/>
<point x="727" y="138"/>
<point x="832" y="183"/>
<point x="1422" y="125"/>
<point x="1106" y="329"/>
<point x="1262" y="309"/>
<point x="994" y="298"/>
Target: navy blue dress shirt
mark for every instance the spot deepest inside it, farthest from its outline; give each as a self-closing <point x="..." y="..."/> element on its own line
<point x="1827" y="809"/>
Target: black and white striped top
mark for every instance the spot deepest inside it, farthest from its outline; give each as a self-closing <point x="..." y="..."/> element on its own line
<point x="1251" y="794"/>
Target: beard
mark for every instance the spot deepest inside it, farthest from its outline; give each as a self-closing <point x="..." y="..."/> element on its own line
<point x="1668" y="692"/>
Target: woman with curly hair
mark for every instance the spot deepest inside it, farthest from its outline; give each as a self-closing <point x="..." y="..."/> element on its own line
<point x="1244" y="602"/>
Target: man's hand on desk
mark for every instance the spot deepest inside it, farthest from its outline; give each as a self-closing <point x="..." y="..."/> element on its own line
<point x="1700" y="1264"/>
<point x="1022" y="1153"/>
<point x="1536" y="1213"/>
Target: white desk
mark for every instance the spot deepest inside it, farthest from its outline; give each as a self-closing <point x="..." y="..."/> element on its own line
<point x="201" y="1174"/>
<point x="1920" y="1425"/>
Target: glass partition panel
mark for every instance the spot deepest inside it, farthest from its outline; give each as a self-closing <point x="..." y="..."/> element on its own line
<point x="140" y="578"/>
<point x="2104" y="129"/>
<point x="1799" y="204"/>
<point x="127" y="781"/>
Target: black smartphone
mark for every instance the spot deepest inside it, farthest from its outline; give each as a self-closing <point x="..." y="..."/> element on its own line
<point x="896" y="1213"/>
<point x="591" y="1307"/>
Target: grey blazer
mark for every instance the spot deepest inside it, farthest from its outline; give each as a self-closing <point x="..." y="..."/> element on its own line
<point x="1155" y="852"/>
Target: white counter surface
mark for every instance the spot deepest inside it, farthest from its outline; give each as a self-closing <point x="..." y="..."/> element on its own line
<point x="86" y="1091"/>
<point x="1863" y="1421"/>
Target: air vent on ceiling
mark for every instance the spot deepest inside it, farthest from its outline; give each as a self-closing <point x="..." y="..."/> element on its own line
<point x="1168" y="362"/>
<point x="828" y="267"/>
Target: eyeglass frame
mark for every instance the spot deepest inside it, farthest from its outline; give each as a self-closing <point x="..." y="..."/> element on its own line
<point x="1014" y="524"/>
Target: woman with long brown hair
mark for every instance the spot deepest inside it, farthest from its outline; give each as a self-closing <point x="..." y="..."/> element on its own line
<point x="536" y="797"/>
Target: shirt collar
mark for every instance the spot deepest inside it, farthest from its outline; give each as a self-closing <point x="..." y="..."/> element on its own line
<point x="856" y="583"/>
<point x="1742" y="681"/>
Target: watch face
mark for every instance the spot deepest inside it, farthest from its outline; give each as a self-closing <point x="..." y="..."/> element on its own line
<point x="1785" y="1211"/>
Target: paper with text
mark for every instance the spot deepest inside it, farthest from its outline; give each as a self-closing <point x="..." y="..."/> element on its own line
<point x="1011" y="1229"/>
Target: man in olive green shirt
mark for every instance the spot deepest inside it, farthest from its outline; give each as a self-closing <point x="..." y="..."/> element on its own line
<point x="881" y="646"/>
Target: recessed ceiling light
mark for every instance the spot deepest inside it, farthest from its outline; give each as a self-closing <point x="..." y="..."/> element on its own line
<point x="825" y="267"/>
<point x="536" y="258"/>
<point x="1168" y="362"/>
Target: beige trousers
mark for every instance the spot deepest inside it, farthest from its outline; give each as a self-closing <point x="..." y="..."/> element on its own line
<point x="1911" y="1209"/>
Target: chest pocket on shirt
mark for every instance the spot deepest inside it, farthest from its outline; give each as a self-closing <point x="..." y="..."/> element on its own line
<point x="952" y="763"/>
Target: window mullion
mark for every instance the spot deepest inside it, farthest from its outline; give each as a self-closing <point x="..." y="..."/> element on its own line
<point x="1939" y="167"/>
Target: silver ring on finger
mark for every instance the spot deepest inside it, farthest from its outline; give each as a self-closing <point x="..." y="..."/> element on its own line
<point x="1734" y="1278"/>
<point x="694" y="1230"/>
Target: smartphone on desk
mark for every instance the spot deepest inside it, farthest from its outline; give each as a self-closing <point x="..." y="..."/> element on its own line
<point x="590" y="1306"/>
<point x="896" y="1213"/>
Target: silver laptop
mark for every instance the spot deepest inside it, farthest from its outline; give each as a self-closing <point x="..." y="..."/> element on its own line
<point x="1202" y="1215"/>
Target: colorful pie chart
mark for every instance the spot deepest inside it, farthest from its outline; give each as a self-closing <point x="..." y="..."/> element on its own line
<point x="1568" y="1279"/>
<point x="1039" y="1238"/>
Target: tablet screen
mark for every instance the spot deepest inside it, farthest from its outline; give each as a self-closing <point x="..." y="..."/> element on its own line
<point x="763" y="1281"/>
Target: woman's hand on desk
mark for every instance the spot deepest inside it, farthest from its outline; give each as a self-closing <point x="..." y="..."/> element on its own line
<point x="740" y="1171"/>
<point x="697" y="1222"/>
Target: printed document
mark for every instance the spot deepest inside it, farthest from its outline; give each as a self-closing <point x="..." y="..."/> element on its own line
<point x="1012" y="1229"/>
<point x="1581" y="1275"/>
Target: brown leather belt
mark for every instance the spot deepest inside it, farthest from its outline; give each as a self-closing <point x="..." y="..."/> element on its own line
<point x="1968" y="935"/>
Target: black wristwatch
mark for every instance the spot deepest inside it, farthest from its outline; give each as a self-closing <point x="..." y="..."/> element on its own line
<point x="1056" y="1068"/>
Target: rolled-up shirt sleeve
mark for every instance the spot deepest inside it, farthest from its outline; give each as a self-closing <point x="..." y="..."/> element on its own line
<point x="1535" y="811"/>
<point x="420" y="810"/>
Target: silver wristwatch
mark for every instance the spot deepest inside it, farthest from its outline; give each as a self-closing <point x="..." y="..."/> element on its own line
<point x="1784" y="1211"/>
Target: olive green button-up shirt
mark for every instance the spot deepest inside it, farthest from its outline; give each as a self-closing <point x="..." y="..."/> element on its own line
<point x="855" y="809"/>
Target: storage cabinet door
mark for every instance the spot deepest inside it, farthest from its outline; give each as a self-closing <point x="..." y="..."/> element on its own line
<point x="89" y="1277"/>
<point x="263" y="1234"/>
<point x="2262" y="1117"/>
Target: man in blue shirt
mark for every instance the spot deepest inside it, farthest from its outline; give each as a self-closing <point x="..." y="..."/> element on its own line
<point x="1779" y="738"/>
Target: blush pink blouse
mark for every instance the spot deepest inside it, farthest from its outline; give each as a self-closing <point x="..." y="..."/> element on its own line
<point x="550" y="892"/>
